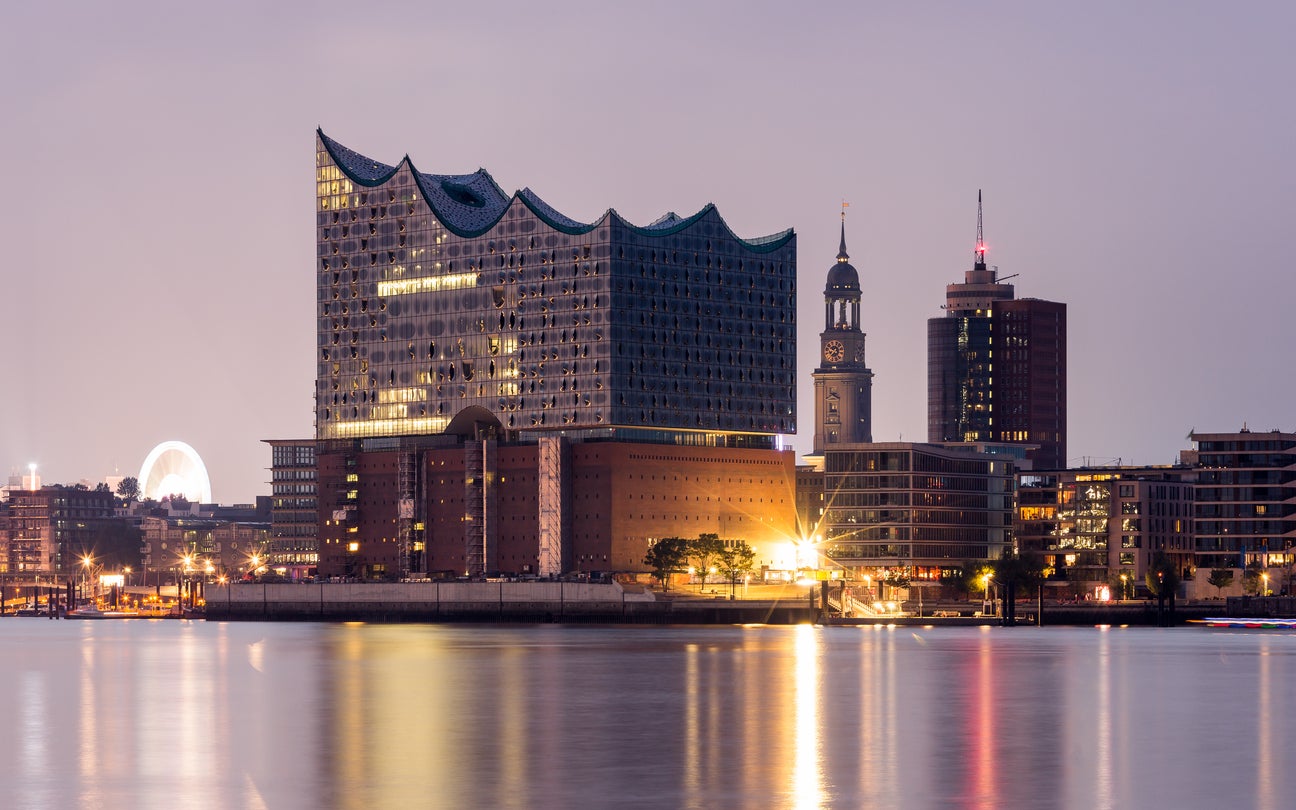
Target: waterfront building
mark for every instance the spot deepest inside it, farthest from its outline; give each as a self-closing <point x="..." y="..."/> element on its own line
<point x="1245" y="504"/>
<point x="203" y="547"/>
<point x="996" y="366"/>
<point x="475" y="348"/>
<point x="52" y="528"/>
<point x="294" y="511"/>
<point x="1103" y="526"/>
<point x="922" y="508"/>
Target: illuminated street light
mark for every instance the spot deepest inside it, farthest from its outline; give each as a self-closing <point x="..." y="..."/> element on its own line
<point x="1264" y="591"/>
<point x="1124" y="579"/>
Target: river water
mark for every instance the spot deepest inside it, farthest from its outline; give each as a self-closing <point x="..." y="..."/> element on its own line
<point x="178" y="714"/>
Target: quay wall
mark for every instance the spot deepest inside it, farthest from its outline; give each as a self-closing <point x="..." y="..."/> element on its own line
<point x="534" y="602"/>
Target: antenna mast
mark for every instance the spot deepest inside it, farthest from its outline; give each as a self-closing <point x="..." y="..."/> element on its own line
<point x="980" y="238"/>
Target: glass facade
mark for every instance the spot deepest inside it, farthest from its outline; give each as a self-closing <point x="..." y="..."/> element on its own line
<point x="294" y="518"/>
<point x="915" y="505"/>
<point x="1246" y="499"/>
<point x="437" y="293"/>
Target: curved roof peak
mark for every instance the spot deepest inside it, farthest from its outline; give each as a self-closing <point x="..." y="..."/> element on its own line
<point x="469" y="205"/>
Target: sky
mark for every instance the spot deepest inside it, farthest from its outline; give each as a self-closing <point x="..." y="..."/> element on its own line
<point x="158" y="233"/>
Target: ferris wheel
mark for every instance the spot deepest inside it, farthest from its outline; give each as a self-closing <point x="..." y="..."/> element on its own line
<point x="174" y="468"/>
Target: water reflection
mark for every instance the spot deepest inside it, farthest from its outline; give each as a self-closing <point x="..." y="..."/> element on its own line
<point x="157" y="714"/>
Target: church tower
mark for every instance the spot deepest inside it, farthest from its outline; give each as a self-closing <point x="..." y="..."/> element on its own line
<point x="843" y="383"/>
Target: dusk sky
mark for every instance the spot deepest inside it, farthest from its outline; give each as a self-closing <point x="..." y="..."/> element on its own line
<point x="1135" y="158"/>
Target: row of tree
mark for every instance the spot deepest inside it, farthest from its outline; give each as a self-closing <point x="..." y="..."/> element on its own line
<point x="704" y="553"/>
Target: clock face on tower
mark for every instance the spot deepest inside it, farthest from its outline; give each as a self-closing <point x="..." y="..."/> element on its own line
<point x="834" y="351"/>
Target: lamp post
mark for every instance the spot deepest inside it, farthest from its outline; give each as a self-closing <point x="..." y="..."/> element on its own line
<point x="1124" y="579"/>
<point x="1264" y="590"/>
<point x="86" y="562"/>
<point x="986" y="604"/>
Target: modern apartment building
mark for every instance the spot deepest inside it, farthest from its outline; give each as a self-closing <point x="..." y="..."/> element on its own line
<point x="1090" y="526"/>
<point x="1245" y="499"/>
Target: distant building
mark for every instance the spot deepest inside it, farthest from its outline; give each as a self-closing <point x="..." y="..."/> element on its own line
<point x="294" y="514"/>
<point x="996" y="366"/>
<point x="1092" y="526"/>
<point x="1245" y="499"/>
<point x="487" y="367"/>
<point x="175" y="545"/>
<point x="52" y="528"/>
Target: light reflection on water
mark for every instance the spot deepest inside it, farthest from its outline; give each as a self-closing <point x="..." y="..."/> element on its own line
<point x="169" y="714"/>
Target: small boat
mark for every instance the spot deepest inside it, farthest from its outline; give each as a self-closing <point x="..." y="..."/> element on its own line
<point x="92" y="612"/>
<point x="1247" y="623"/>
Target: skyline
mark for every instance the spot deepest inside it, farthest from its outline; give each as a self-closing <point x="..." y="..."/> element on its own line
<point x="1132" y="163"/>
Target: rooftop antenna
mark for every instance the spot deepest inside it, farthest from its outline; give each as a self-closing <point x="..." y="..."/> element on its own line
<point x="980" y="239"/>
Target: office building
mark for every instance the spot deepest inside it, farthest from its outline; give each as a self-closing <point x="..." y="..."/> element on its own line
<point x="996" y="366"/>
<point x="922" y="508"/>
<point x="53" y="528"/>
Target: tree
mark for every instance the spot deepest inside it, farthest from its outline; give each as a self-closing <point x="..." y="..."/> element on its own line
<point x="1251" y="579"/>
<point x="102" y="487"/>
<point x="1162" y="580"/>
<point x="128" y="489"/>
<point x="705" y="551"/>
<point x="895" y="579"/>
<point x="735" y="560"/>
<point x="667" y="556"/>
<point x="1020" y="571"/>
<point x="1162" y="576"/>
<point x="1221" y="578"/>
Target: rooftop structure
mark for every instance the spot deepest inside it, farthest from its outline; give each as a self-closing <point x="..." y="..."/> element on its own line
<point x="440" y="293"/>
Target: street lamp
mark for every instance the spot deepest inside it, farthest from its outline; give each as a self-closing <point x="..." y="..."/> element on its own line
<point x="1264" y="591"/>
<point x="985" y="599"/>
<point x="86" y="562"/>
<point x="1124" y="579"/>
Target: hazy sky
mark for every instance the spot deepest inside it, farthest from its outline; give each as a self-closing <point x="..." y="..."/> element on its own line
<point x="158" y="232"/>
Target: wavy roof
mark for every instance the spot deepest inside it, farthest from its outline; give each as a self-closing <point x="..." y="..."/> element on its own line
<point x="469" y="205"/>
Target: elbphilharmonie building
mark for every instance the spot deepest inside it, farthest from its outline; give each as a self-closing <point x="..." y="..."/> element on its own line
<point x="463" y="327"/>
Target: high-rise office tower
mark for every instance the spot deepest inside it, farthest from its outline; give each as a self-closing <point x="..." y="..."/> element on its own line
<point x="843" y="383"/>
<point x="996" y="366"/>
<point x="479" y="354"/>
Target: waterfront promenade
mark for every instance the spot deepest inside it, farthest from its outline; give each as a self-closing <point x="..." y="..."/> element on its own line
<point x="613" y="603"/>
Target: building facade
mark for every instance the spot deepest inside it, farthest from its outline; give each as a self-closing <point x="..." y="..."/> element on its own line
<point x="1246" y="498"/>
<point x="1096" y="527"/>
<point x="208" y="548"/>
<point x="53" y="528"/>
<point x="454" y="320"/>
<point x="996" y="366"/>
<point x="920" y="507"/>
<point x="294" y="507"/>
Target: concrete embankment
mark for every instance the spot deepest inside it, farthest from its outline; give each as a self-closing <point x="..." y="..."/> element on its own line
<point x="566" y="602"/>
